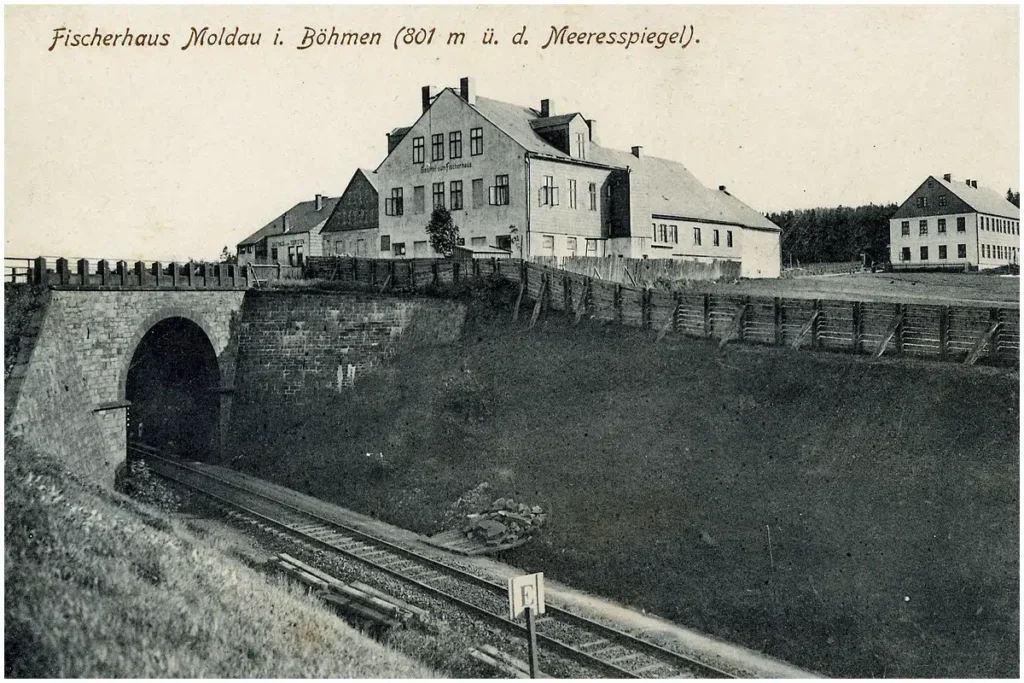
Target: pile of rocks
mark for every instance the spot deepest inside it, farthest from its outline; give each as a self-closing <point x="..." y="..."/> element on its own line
<point x="505" y="522"/>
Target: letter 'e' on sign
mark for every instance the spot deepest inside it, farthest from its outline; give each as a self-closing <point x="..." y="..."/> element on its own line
<point x="525" y="591"/>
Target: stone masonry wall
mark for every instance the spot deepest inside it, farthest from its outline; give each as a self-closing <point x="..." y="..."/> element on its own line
<point x="298" y="344"/>
<point x="71" y="397"/>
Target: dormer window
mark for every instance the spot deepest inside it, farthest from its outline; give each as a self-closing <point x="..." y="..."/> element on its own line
<point x="581" y="147"/>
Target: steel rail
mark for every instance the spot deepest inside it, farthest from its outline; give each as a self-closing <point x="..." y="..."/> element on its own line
<point x="615" y="636"/>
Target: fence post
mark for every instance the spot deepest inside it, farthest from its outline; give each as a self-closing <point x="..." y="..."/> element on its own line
<point x="455" y="272"/>
<point x="944" y="331"/>
<point x="816" y="326"/>
<point x="157" y="271"/>
<point x="994" y="316"/>
<point x="780" y="333"/>
<point x="857" y="325"/>
<point x="901" y="310"/>
<point x="140" y="273"/>
<point x="174" y="274"/>
<point x="355" y="269"/>
<point x="122" y="273"/>
<point x="103" y="268"/>
<point x="434" y="272"/>
<point x="247" y="272"/>
<point x="617" y="303"/>
<point x="220" y="274"/>
<point x="707" y="316"/>
<point x="392" y="270"/>
<point x="675" y="311"/>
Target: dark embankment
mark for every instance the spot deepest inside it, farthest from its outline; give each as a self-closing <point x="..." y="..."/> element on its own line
<point x="854" y="517"/>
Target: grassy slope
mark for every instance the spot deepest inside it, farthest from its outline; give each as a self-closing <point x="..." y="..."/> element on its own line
<point x="97" y="585"/>
<point x="666" y="464"/>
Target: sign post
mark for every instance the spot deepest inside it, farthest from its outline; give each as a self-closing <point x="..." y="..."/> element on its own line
<point x="526" y="594"/>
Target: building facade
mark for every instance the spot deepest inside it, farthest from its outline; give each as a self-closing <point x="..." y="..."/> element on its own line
<point x="948" y="223"/>
<point x="353" y="228"/>
<point x="537" y="183"/>
<point x="291" y="237"/>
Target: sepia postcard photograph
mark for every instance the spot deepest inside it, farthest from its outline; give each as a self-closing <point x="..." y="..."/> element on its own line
<point x="512" y="341"/>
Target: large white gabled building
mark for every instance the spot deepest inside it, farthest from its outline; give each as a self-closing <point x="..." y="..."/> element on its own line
<point x="537" y="183"/>
<point x="951" y="223"/>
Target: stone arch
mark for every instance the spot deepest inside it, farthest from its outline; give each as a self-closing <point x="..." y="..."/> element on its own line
<point x="220" y="346"/>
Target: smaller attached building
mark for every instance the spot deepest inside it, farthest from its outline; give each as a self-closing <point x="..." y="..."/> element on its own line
<point x="352" y="228"/>
<point x="951" y="223"/>
<point x="291" y="237"/>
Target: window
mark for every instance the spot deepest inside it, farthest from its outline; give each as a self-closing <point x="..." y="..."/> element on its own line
<point x="905" y="254"/>
<point x="905" y="228"/>
<point x="455" y="144"/>
<point x="581" y="148"/>
<point x="456" y="192"/>
<point x="591" y="247"/>
<point x="942" y="252"/>
<point x="476" y="141"/>
<point x="291" y="256"/>
<point x="478" y="241"/>
<point x="570" y="244"/>
<point x="438" y="194"/>
<point x="437" y="147"/>
<point x="923" y="227"/>
<point x="417" y="150"/>
<point x="942" y="225"/>
<point x="385" y="242"/>
<point x="478" y="192"/>
<point x="549" y="193"/>
<point x="942" y="200"/>
<point x="419" y="199"/>
<point x="728" y="238"/>
<point x="503" y="242"/>
<point x="499" y="191"/>
<point x="961" y="224"/>
<point x="393" y="204"/>
<point x="593" y="196"/>
<point x="661" y="234"/>
<point x="961" y="251"/>
<point x="273" y="254"/>
<point x="922" y="202"/>
<point x="548" y="242"/>
<point x="715" y="239"/>
<point x="696" y="236"/>
<point x="398" y="248"/>
<point x="924" y="253"/>
<point x="572" y="194"/>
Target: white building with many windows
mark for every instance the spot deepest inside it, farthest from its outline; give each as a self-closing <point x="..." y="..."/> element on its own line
<point x="950" y="223"/>
<point x="537" y="183"/>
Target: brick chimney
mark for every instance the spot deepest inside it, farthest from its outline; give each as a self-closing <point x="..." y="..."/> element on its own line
<point x="284" y="222"/>
<point x="547" y="108"/>
<point x="427" y="95"/>
<point x="948" y="177"/>
<point x="974" y="184"/>
<point x="319" y="202"/>
<point x="968" y="181"/>
<point x="467" y="89"/>
<point x="592" y="125"/>
<point x="638" y="151"/>
<point x="721" y="188"/>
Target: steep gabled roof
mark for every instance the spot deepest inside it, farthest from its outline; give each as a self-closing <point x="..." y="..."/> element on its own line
<point x="371" y="177"/>
<point x="301" y="218"/>
<point x="673" y="189"/>
<point x="981" y="199"/>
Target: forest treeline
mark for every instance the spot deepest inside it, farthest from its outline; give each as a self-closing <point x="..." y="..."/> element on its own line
<point x="841" y="233"/>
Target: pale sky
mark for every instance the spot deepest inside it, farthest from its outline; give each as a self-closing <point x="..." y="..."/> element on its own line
<point x="162" y="153"/>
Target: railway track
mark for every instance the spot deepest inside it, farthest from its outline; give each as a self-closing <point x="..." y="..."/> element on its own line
<point x="574" y="637"/>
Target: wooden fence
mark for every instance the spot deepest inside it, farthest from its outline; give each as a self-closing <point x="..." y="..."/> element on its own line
<point x="943" y="332"/>
<point x="810" y="269"/>
<point x="643" y="272"/>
